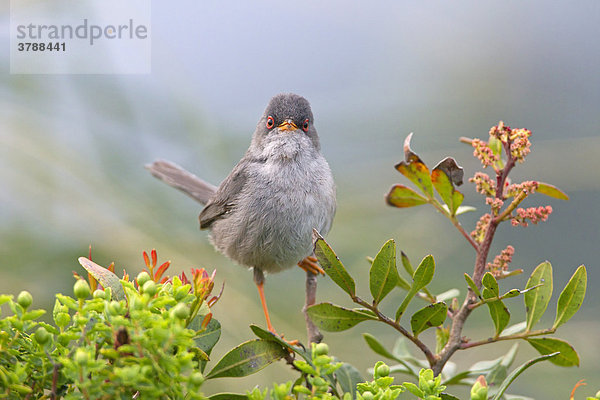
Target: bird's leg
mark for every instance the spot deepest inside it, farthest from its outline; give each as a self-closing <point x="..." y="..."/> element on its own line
<point x="309" y="264"/>
<point x="261" y="293"/>
<point x="259" y="279"/>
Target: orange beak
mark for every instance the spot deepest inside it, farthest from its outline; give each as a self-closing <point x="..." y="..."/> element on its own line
<point x="287" y="125"/>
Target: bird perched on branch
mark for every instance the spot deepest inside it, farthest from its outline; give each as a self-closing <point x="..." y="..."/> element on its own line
<point x="263" y="214"/>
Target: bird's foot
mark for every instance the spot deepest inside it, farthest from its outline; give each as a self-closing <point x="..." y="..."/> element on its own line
<point x="309" y="264"/>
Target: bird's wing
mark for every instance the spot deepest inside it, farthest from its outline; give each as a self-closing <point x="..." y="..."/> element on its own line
<point x="226" y="196"/>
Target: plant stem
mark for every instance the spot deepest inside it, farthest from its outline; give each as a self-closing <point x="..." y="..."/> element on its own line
<point x="523" y="335"/>
<point x="455" y="340"/>
<point x="454" y="221"/>
<point x="313" y="334"/>
<point x="431" y="358"/>
<point x="511" y="207"/>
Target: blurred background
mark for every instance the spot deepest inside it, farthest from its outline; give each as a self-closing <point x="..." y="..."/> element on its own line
<point x="73" y="147"/>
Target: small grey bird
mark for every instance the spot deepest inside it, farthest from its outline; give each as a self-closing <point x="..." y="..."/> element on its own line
<point x="263" y="214"/>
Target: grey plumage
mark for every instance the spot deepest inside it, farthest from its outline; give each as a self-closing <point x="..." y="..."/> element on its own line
<point x="262" y="215"/>
<point x="183" y="180"/>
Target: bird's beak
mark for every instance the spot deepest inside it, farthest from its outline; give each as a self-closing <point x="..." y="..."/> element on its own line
<point x="287" y="125"/>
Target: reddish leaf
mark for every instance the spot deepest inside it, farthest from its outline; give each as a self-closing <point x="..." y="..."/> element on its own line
<point x="415" y="169"/>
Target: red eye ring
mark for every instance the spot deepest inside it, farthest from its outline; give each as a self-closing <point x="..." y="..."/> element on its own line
<point x="270" y="122"/>
<point x="305" y="125"/>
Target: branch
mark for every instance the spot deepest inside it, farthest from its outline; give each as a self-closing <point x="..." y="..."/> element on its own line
<point x="431" y="358"/>
<point x="455" y="341"/>
<point x="523" y="335"/>
<point x="313" y="334"/>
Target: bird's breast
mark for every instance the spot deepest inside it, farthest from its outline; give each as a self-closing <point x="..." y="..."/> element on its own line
<point x="283" y="200"/>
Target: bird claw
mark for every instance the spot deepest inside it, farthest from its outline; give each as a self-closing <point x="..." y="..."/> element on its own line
<point x="309" y="264"/>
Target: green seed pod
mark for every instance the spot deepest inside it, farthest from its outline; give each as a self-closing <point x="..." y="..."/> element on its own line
<point x="142" y="278"/>
<point x="196" y="379"/>
<point x="81" y="357"/>
<point x="368" y="396"/>
<point x="81" y="289"/>
<point x="150" y="288"/>
<point x="181" y="311"/>
<point x="383" y="370"/>
<point x="24" y="299"/>
<point x="99" y="294"/>
<point x="41" y="335"/>
<point x="321" y="349"/>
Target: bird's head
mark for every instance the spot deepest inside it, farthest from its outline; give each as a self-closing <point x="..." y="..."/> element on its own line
<point x="286" y="128"/>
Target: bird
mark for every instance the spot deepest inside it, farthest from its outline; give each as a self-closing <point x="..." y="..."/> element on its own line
<point x="263" y="214"/>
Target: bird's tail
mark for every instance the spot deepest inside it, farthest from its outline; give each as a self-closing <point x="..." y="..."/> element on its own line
<point x="179" y="178"/>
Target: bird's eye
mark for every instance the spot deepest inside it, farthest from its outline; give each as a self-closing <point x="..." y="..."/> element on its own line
<point x="305" y="125"/>
<point x="270" y="122"/>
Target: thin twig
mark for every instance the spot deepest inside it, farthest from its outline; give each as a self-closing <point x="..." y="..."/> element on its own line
<point x="431" y="358"/>
<point x="454" y="221"/>
<point x="525" y="335"/>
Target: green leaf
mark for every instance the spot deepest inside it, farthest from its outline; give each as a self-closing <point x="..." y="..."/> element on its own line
<point x="516" y="328"/>
<point x="403" y="197"/>
<point x="348" y="377"/>
<point x="414" y="389"/>
<point x="490" y="283"/>
<point x="500" y="315"/>
<point x="446" y="396"/>
<point x="421" y="278"/>
<point x="105" y="277"/>
<point x="447" y="295"/>
<point x="332" y="318"/>
<point x="441" y="338"/>
<point x="383" y="275"/>
<point x="208" y="338"/>
<point x="424" y="273"/>
<point x="377" y="347"/>
<point x="332" y="265"/>
<point x="228" y="396"/>
<point x="472" y="285"/>
<point x="571" y="297"/>
<point x="268" y="335"/>
<point x="536" y="301"/>
<point x="552" y="191"/>
<point x="568" y="356"/>
<point x="443" y="185"/>
<point x="514" y="375"/>
<point x="428" y="317"/>
<point x="460" y="210"/>
<point x="414" y="169"/>
<point x="247" y="358"/>
<point x="406" y="264"/>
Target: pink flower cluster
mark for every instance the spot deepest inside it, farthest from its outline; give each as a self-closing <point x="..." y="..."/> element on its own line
<point x="483" y="152"/>
<point x="520" y="144"/>
<point x="501" y="132"/>
<point x="495" y="204"/>
<point x="531" y="214"/>
<point x="479" y="233"/>
<point x="484" y="184"/>
<point x="501" y="261"/>
<point x="516" y="188"/>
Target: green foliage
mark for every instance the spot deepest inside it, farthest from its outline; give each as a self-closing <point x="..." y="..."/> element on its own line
<point x="103" y="348"/>
<point x="153" y="337"/>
